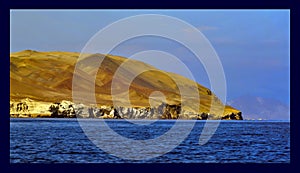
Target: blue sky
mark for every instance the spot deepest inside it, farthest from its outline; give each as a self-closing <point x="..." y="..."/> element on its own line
<point x="253" y="45"/>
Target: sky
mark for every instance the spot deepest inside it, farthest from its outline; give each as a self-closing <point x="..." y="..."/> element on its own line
<point x="253" y="45"/>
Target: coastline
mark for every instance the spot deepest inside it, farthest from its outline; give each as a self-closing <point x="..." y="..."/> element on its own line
<point x="28" y="108"/>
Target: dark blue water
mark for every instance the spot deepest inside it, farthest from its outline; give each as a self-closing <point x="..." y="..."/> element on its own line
<point x="63" y="141"/>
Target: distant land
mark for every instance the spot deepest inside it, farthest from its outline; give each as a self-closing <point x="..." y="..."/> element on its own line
<point x="41" y="86"/>
<point x="260" y="108"/>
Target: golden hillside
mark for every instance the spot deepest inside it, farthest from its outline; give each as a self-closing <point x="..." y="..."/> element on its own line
<point x="47" y="77"/>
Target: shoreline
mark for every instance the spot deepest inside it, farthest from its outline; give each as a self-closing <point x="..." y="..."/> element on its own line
<point x="28" y="108"/>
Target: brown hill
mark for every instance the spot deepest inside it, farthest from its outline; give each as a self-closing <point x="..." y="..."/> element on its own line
<point x="47" y="77"/>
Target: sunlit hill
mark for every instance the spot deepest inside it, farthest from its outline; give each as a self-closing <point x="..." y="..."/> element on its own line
<point x="41" y="85"/>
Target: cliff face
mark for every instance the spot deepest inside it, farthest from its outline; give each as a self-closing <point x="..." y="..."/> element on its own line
<point x="40" y="81"/>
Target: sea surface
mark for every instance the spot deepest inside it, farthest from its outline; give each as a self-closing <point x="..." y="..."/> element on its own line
<point x="64" y="141"/>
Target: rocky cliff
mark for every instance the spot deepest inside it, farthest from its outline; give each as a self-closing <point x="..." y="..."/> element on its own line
<point x="41" y="86"/>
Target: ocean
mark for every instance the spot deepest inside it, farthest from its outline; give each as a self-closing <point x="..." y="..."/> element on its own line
<point x="43" y="140"/>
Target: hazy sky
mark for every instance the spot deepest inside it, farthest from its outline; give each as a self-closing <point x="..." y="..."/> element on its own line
<point x="253" y="45"/>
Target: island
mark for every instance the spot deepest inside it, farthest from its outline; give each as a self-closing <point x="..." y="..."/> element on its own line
<point x="41" y="86"/>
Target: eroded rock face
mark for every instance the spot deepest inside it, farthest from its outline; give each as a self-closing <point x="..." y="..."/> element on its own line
<point x="29" y="108"/>
<point x="67" y="109"/>
<point x="164" y="111"/>
<point x="170" y="111"/>
<point x="233" y="116"/>
<point x="19" y="109"/>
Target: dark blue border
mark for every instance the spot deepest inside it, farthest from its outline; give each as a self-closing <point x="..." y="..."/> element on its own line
<point x="138" y="4"/>
<point x="294" y="85"/>
<point x="138" y="168"/>
<point x="153" y="4"/>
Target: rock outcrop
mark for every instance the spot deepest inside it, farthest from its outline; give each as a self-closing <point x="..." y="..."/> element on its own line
<point x="28" y="108"/>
